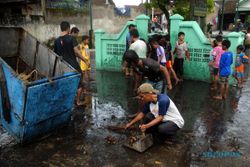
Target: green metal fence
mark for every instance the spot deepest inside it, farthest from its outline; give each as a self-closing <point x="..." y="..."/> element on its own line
<point x="199" y="46"/>
<point x="110" y="48"/>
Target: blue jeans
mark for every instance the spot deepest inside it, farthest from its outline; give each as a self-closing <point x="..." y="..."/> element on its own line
<point x="160" y="85"/>
<point x="161" y="130"/>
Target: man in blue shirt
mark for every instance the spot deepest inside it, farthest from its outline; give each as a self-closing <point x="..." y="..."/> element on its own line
<point x="226" y="61"/>
<point x="160" y="114"/>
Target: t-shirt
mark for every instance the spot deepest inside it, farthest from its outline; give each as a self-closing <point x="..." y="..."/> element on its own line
<point x="239" y="66"/>
<point x="140" y="48"/>
<point x="85" y="53"/>
<point x="64" y="46"/>
<point x="151" y="69"/>
<point x="217" y="52"/>
<point x="160" y="52"/>
<point x="166" y="108"/>
<point x="181" y="49"/>
<point x="225" y="62"/>
<point x="244" y="58"/>
<point x="247" y="36"/>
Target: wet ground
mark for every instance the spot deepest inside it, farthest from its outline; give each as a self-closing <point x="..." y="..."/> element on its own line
<point x="212" y="128"/>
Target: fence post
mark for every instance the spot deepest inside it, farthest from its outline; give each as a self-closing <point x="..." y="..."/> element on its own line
<point x="142" y="26"/>
<point x="98" y="47"/>
<point x="236" y="39"/>
<point x="174" y="27"/>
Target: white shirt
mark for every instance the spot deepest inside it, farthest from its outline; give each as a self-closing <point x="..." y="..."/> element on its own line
<point x="160" y="52"/>
<point x="140" y="48"/>
<point x="248" y="36"/>
<point x="181" y="50"/>
<point x="172" y="114"/>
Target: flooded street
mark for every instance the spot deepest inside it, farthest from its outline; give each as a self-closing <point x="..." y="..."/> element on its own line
<point x="210" y="126"/>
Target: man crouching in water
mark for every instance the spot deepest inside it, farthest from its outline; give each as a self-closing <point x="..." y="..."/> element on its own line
<point x="161" y="116"/>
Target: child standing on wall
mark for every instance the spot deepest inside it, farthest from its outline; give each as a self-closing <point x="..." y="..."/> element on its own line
<point x="217" y="52"/>
<point x="84" y="47"/>
<point x="226" y="61"/>
<point x="181" y="50"/>
<point x="239" y="66"/>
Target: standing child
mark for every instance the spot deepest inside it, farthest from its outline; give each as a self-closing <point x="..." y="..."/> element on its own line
<point x="181" y="50"/>
<point x="217" y="52"/>
<point x="211" y="61"/>
<point x="239" y="66"/>
<point x="225" y="70"/>
<point x="84" y="47"/>
<point x="169" y="57"/>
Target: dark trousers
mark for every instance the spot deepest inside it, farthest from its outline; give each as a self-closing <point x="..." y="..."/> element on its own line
<point x="178" y="66"/>
<point x="161" y="130"/>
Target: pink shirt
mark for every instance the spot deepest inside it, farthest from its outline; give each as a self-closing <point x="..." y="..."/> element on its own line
<point x="217" y="52"/>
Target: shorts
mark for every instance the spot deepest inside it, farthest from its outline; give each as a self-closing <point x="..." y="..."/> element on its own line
<point x="169" y="64"/>
<point x="215" y="71"/>
<point x="163" y="64"/>
<point x="211" y="70"/>
<point x="238" y="74"/>
<point x="224" y="80"/>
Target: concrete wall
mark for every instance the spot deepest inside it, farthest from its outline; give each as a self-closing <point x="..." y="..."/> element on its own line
<point x="103" y="17"/>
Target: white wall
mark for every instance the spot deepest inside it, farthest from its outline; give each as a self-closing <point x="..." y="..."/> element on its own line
<point x="103" y="18"/>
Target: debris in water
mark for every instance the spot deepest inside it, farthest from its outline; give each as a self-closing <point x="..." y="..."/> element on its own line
<point x="110" y="140"/>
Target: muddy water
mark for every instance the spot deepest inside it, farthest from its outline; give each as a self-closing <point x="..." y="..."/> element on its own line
<point x="210" y="125"/>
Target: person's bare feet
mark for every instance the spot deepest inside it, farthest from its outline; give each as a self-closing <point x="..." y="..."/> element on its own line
<point x="80" y="103"/>
<point x="218" y="97"/>
<point x="213" y="88"/>
<point x="177" y="81"/>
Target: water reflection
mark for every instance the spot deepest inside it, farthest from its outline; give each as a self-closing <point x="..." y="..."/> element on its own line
<point x="209" y="125"/>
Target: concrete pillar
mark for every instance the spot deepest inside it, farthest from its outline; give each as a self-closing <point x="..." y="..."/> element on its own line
<point x="175" y="22"/>
<point x="98" y="47"/>
<point x="234" y="38"/>
<point x="142" y="26"/>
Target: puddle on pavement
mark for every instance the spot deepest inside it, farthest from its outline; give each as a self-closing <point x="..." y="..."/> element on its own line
<point x="209" y="126"/>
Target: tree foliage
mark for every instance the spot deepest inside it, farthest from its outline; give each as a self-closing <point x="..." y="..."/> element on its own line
<point x="182" y="7"/>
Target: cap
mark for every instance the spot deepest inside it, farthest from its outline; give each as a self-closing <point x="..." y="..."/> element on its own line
<point x="146" y="88"/>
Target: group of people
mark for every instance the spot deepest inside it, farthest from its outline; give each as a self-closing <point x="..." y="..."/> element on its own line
<point x="152" y="64"/>
<point x="220" y="63"/>
<point x="157" y="51"/>
<point x="77" y="55"/>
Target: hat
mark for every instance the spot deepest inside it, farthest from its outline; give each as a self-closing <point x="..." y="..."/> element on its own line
<point x="146" y="88"/>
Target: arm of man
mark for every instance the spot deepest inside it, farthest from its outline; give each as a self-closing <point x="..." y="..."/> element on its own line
<point x="136" y="119"/>
<point x="210" y="39"/>
<point x="186" y="51"/>
<point x="154" y="122"/>
<point x="172" y="55"/>
<point x="188" y="55"/>
<point x="160" y="58"/>
<point x="138" y="79"/>
<point x="79" y="55"/>
<point x="166" y="74"/>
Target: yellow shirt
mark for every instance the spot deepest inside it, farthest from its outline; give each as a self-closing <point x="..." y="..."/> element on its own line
<point x="85" y="53"/>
